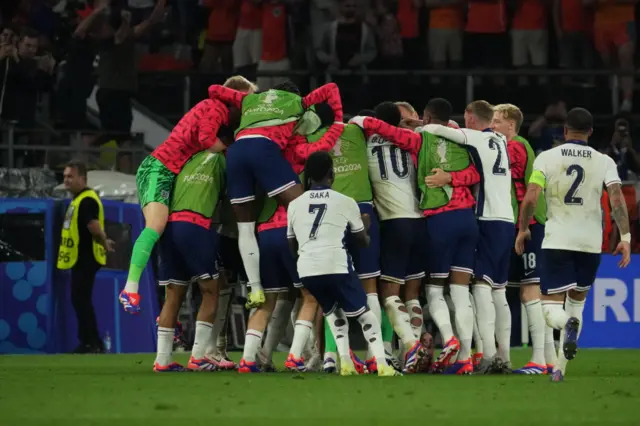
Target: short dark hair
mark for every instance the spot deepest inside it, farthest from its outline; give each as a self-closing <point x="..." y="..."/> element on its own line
<point x="366" y="113"/>
<point x="389" y="113"/>
<point x="579" y="120"/>
<point x="318" y="166"/>
<point x="483" y="110"/>
<point x="79" y="165"/>
<point x="325" y="113"/>
<point x="440" y="109"/>
<point x="29" y="33"/>
<point x="288" y="86"/>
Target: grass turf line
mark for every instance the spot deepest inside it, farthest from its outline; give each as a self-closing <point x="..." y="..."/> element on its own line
<point x="602" y="388"/>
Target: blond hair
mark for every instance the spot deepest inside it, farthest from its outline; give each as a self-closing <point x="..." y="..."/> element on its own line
<point x="510" y="112"/>
<point x="481" y="109"/>
<point x="407" y="106"/>
<point x="241" y="84"/>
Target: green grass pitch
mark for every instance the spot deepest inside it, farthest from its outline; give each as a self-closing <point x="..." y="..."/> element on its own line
<point x="602" y="388"/>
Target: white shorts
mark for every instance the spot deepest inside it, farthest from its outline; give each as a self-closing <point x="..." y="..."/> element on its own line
<point x="247" y="48"/>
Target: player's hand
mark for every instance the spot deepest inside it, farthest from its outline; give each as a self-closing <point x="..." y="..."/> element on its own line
<point x="522" y="237"/>
<point x="109" y="245"/>
<point x="410" y="123"/>
<point x="438" y="179"/>
<point x="624" y="248"/>
<point x="366" y="219"/>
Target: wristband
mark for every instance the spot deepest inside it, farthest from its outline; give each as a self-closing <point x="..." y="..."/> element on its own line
<point x="626" y="238"/>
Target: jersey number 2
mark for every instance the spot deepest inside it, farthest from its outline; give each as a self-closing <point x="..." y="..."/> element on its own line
<point x="401" y="170"/>
<point x="497" y="166"/>
<point x="571" y="199"/>
<point x="319" y="210"/>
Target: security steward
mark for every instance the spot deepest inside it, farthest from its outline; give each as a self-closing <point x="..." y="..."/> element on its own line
<point x="83" y="248"/>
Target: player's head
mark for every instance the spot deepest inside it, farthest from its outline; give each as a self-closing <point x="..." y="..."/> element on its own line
<point x="478" y="115"/>
<point x="75" y="176"/>
<point x="507" y="119"/>
<point x="389" y="113"/>
<point x="407" y="110"/>
<point x="579" y="125"/>
<point x="288" y="86"/>
<point x="241" y="84"/>
<point x="366" y="113"/>
<point x="437" y="111"/>
<point x="318" y="170"/>
<point x="325" y="114"/>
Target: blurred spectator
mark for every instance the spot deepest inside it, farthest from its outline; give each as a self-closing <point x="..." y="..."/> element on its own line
<point x="574" y="28"/>
<point x="547" y="131"/>
<point x="77" y="81"/>
<point x="43" y="19"/>
<point x="446" y="22"/>
<point x="529" y="37"/>
<point x="321" y="13"/>
<point x="347" y="42"/>
<point x="117" y="68"/>
<point x="614" y="31"/>
<point x="217" y="56"/>
<point x="9" y="75"/>
<point x="9" y="35"/>
<point x="486" y="44"/>
<point x="623" y="150"/>
<point x="408" y="17"/>
<point x="275" y="44"/>
<point x="247" y="46"/>
<point x="388" y="32"/>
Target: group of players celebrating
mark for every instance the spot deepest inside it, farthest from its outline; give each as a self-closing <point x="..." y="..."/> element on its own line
<point x="408" y="200"/>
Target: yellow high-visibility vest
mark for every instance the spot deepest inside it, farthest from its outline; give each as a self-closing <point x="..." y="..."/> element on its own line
<point x="68" y="253"/>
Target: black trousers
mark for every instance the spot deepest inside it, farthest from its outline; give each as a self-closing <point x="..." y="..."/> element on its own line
<point x="116" y="114"/>
<point x="83" y="276"/>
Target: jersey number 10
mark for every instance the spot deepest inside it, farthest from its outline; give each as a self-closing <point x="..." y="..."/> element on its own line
<point x="401" y="170"/>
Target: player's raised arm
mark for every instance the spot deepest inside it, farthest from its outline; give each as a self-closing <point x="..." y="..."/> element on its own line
<point x="328" y="93"/>
<point x="618" y="211"/>
<point x="404" y="139"/>
<point x="226" y="95"/>
<point x="209" y="124"/>
<point x="459" y="136"/>
<point x="302" y="151"/>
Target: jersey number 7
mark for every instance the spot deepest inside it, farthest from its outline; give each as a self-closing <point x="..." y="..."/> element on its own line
<point x="319" y="210"/>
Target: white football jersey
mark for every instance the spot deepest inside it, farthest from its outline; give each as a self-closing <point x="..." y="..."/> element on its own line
<point x="490" y="156"/>
<point x="318" y="219"/>
<point x="393" y="178"/>
<point x="575" y="176"/>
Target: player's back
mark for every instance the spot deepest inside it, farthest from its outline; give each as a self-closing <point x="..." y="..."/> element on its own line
<point x="393" y="177"/>
<point x="489" y="153"/>
<point x="318" y="219"/>
<point x="575" y="176"/>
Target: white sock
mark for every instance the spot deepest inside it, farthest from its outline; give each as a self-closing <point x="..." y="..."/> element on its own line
<point x="301" y="333"/>
<point x="503" y="323"/>
<point x="452" y="313"/>
<point x="252" y="341"/>
<point x="439" y="311"/>
<point x="131" y="287"/>
<point x="477" y="338"/>
<point x="202" y="339"/>
<point x="295" y="309"/>
<point x="221" y="320"/>
<point x="310" y="348"/>
<point x="464" y="318"/>
<point x="415" y="317"/>
<point x="574" y="308"/>
<point x="486" y="318"/>
<point x="165" y="346"/>
<point x="374" y="305"/>
<point x="554" y="314"/>
<point x="248" y="246"/>
<point x="550" y="356"/>
<point x="536" y="329"/>
<point x="277" y="326"/>
<point x="400" y="320"/>
<point x="373" y="335"/>
<point x="339" y="326"/>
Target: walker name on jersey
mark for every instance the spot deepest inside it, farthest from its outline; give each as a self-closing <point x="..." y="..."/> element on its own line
<point x="579" y="153"/>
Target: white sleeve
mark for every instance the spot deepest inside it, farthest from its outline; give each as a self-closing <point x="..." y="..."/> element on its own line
<point x="352" y="213"/>
<point x="539" y="164"/>
<point x="290" y="216"/>
<point x="610" y="172"/>
<point x="458" y="136"/>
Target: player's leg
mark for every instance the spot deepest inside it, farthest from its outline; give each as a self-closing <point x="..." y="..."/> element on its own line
<point x="155" y="183"/>
<point x="276" y="328"/>
<point x="477" y="339"/>
<point x="209" y="288"/>
<point x="219" y="357"/>
<point x="396" y="254"/>
<point x="502" y="247"/>
<point x="302" y="331"/>
<point x="255" y="331"/>
<point x="166" y="326"/>
<point x="530" y="298"/>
